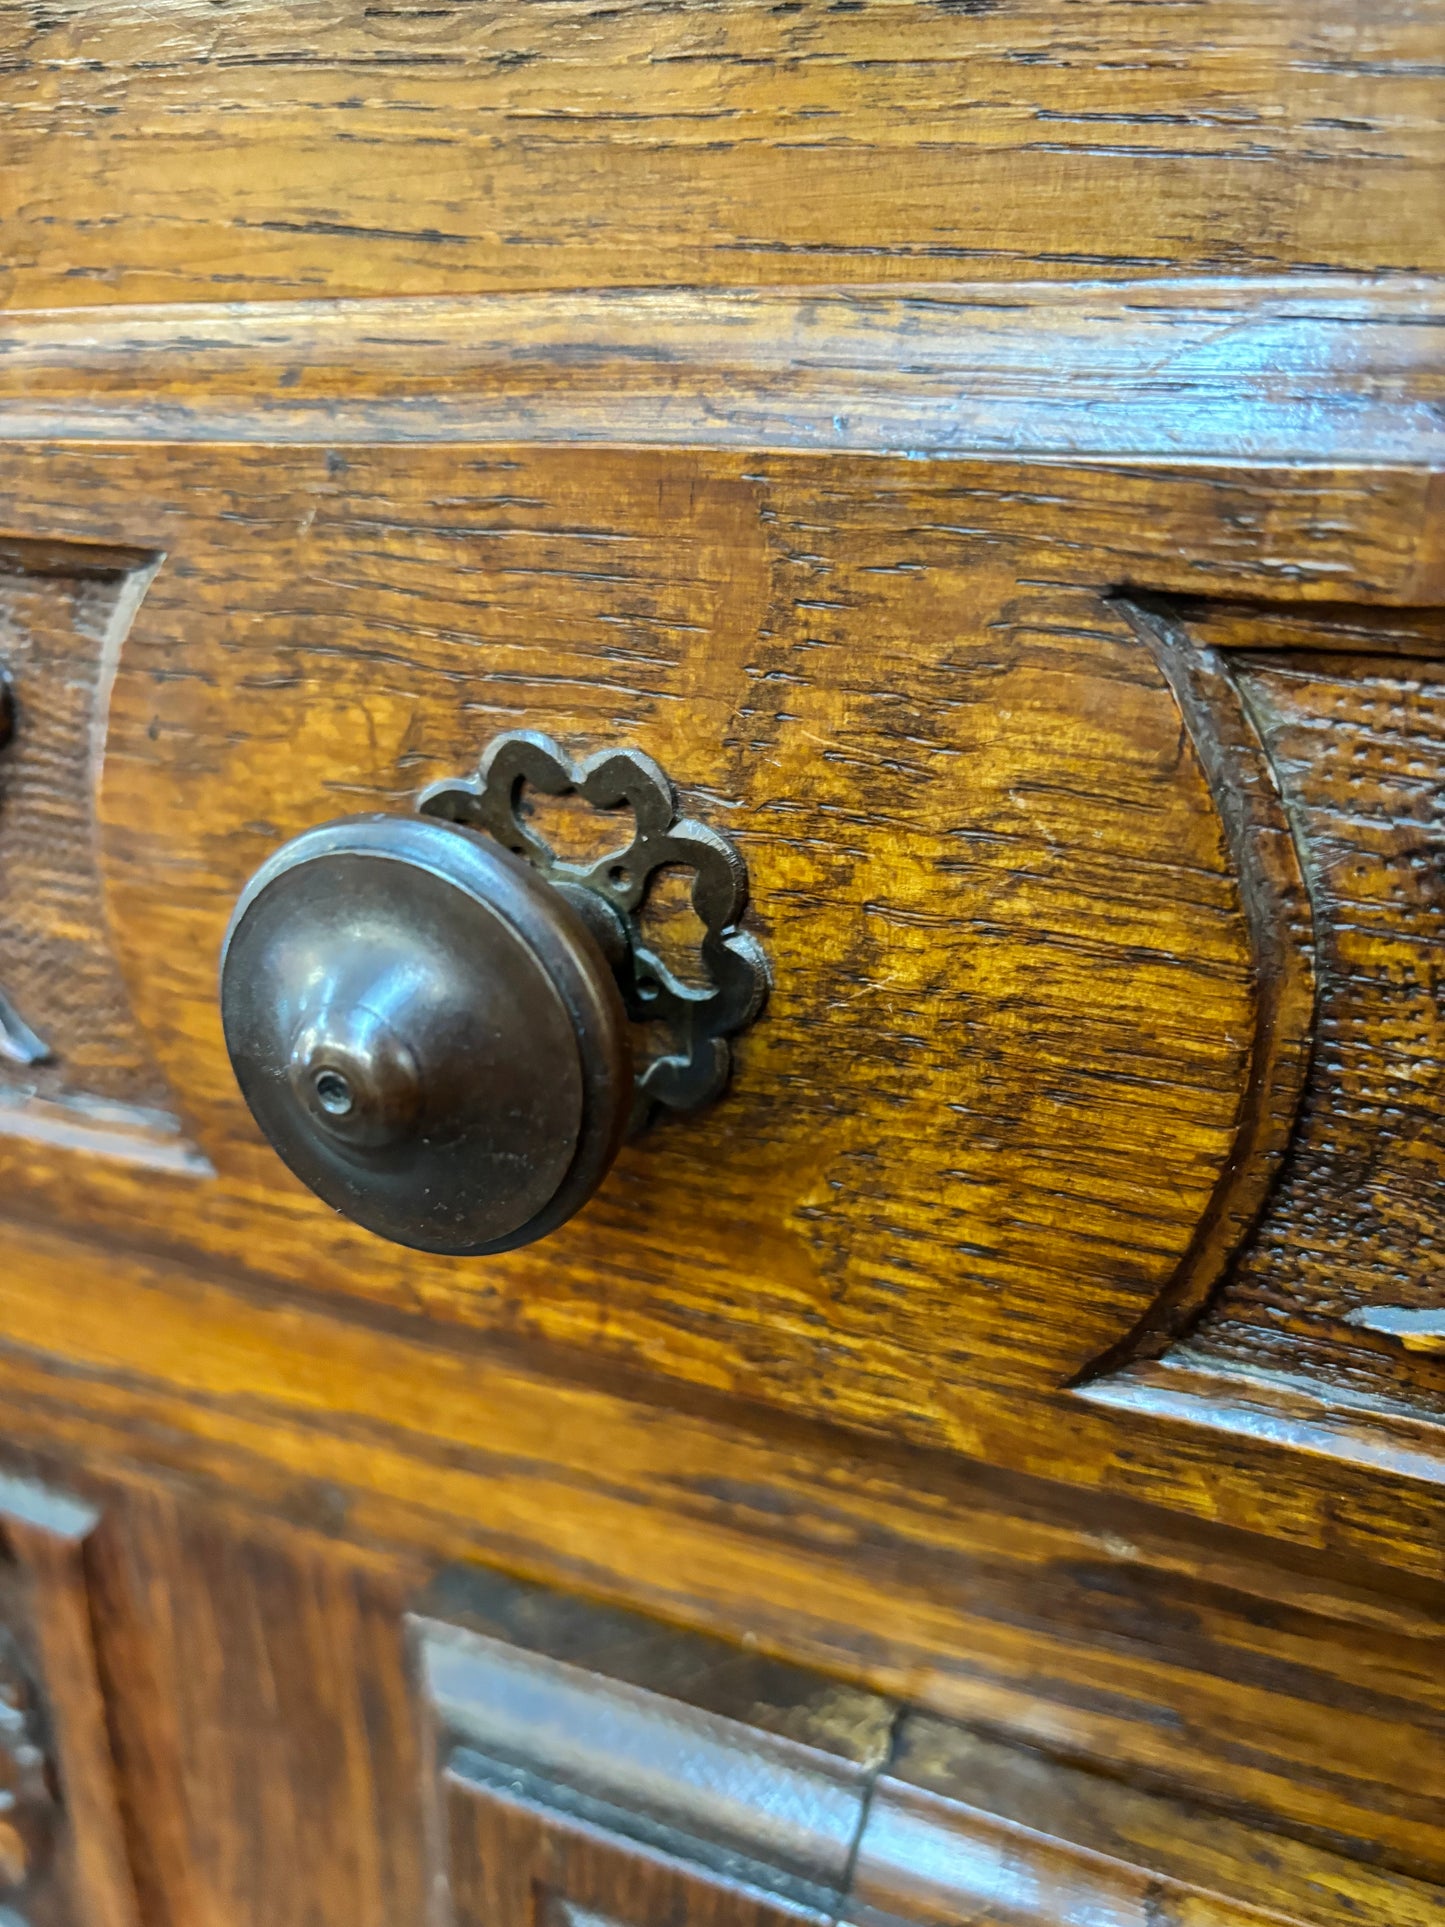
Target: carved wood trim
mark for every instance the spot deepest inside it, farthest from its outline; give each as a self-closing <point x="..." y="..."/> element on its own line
<point x="574" y="1798"/>
<point x="928" y="1859"/>
<point x="1280" y="923"/>
<point x="1208" y="369"/>
<point x="705" y="1788"/>
<point x="515" y="1863"/>
<point x="47" y="1533"/>
<point x="1316" y="728"/>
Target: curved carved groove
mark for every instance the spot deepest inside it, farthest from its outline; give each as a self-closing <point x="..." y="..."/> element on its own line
<point x="18" y="1042"/>
<point x="74" y="1068"/>
<point x="1280" y="923"/>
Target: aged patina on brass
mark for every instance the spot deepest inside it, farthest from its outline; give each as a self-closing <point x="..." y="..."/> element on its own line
<point x="433" y="1030"/>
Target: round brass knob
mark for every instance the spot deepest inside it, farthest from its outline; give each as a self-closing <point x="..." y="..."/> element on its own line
<point x="429" y="1033"/>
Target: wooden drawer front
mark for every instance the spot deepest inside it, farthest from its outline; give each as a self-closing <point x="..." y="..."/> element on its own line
<point x="1058" y="781"/>
<point x="1003" y="918"/>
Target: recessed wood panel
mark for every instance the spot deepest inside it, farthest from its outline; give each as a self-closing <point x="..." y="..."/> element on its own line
<point x="264" y="1726"/>
<point x="1325" y="1316"/>
<point x="65" y="1849"/>
<point x="1339" y="1288"/>
<point x="74" y="1067"/>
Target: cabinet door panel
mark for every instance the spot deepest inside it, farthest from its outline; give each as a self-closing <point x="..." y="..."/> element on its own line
<point x="65" y="1858"/>
<point x="515" y="1865"/>
<point x="263" y="1720"/>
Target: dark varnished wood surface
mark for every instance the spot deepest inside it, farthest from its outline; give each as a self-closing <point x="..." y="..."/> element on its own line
<point x="953" y="758"/>
<point x="1211" y="1662"/>
<point x="566" y="1792"/>
<point x="990" y="456"/>
<point x="947" y="714"/>
<point x="520" y="1736"/>
<point x="66" y="1858"/>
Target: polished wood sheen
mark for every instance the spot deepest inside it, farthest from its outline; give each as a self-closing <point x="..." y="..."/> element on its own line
<point x="269" y="151"/>
<point x="988" y="1468"/>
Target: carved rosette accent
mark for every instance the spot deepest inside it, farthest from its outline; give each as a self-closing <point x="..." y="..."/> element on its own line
<point x="698" y="1021"/>
<point x="27" y="1801"/>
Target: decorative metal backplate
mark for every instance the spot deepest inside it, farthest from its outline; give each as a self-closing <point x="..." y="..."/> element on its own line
<point x="699" y="1021"/>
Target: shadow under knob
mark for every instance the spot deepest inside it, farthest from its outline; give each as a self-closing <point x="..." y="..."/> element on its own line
<point x="427" y="1031"/>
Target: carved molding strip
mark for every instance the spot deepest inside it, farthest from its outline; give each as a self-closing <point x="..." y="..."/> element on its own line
<point x="927" y="1859"/>
<point x="747" y="1804"/>
<point x="577" y="1798"/>
<point x="1214" y="369"/>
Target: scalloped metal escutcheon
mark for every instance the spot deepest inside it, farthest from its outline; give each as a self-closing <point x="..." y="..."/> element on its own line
<point x="699" y="1021"/>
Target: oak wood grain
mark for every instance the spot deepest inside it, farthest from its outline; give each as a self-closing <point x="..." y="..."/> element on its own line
<point x="272" y="151"/>
<point x="990" y="452"/>
<point x="330" y="630"/>
<point x="50" y="1536"/>
<point x="1224" y="368"/>
<point x="913" y="1209"/>
<point x="1300" y="1686"/>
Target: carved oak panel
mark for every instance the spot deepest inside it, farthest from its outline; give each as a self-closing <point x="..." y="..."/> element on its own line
<point x="63" y="1851"/>
<point x="74" y="1067"/>
<point x="1324" y="1283"/>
